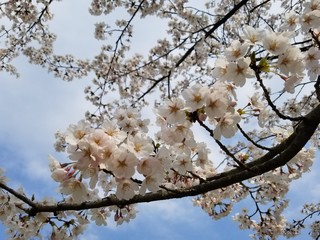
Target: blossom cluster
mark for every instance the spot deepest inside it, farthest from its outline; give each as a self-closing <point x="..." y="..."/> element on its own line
<point x="120" y="155"/>
<point x="115" y="157"/>
<point x="273" y="187"/>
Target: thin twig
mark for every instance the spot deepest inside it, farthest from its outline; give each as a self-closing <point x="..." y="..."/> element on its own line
<point x="267" y="96"/>
<point x="250" y="140"/>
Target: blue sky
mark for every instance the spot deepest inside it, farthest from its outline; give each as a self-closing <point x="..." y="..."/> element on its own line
<point x="36" y="105"/>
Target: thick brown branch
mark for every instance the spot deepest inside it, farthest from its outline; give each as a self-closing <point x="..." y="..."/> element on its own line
<point x="277" y="157"/>
<point x="317" y="87"/>
<point x="18" y="195"/>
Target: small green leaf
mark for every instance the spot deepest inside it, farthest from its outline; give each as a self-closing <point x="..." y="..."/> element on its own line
<point x="264" y="65"/>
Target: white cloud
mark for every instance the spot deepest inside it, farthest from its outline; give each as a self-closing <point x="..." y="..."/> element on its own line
<point x="171" y="211"/>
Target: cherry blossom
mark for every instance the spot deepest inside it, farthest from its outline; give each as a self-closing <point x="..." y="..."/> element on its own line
<point x="291" y="62"/>
<point x="126" y="189"/>
<point x="251" y="35"/>
<point x="276" y="43"/>
<point x="123" y="164"/>
<point x="227" y="125"/>
<point x="194" y="97"/>
<point x="236" y="50"/>
<point x="216" y="104"/>
<point x="238" y="72"/>
<point x="182" y="164"/>
<point x="291" y="21"/>
<point x="310" y="20"/>
<point x="173" y="111"/>
<point x="224" y="107"/>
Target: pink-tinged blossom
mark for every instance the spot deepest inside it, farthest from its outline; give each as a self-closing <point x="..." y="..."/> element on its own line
<point x="313" y="73"/>
<point x="79" y="229"/>
<point x="7" y="211"/>
<point x="92" y="173"/>
<point x="194" y="97"/>
<point x="124" y="214"/>
<point x="315" y="229"/>
<point x="123" y="164"/>
<point x="227" y="125"/>
<point x="238" y="72"/>
<point x="149" y="166"/>
<point x="53" y="164"/>
<point x="99" y="32"/>
<point x="185" y="147"/>
<point x="106" y="182"/>
<point x="3" y="195"/>
<point x="291" y="21"/>
<point x="226" y="88"/>
<point x="216" y="104"/>
<point x="310" y="20"/>
<point x="291" y="61"/>
<point x="275" y="43"/>
<point x="251" y="35"/>
<point x="126" y="188"/>
<point x="236" y="50"/>
<point x="97" y="139"/>
<point x="263" y="116"/>
<point x="76" y="133"/>
<point x="312" y="57"/>
<point x="143" y="125"/>
<point x="290" y="82"/>
<point x="244" y="220"/>
<point x="103" y="157"/>
<point x="220" y="68"/>
<point x="173" y="111"/>
<point x="182" y="164"/>
<point x="112" y="130"/>
<point x="202" y="155"/>
<point x="178" y="133"/>
<point x="160" y="120"/>
<point x="99" y="216"/>
<point x="151" y="183"/>
<point x="311" y="5"/>
<point x="75" y="188"/>
<point x="127" y="119"/>
<point x="60" y="233"/>
<point x="82" y="157"/>
<point x="259" y="108"/>
<point x="128" y="124"/>
<point x="255" y="101"/>
<point x="59" y="174"/>
<point x="121" y="114"/>
<point x="164" y="157"/>
<point x="140" y="145"/>
<point x="167" y="136"/>
<point x="303" y="161"/>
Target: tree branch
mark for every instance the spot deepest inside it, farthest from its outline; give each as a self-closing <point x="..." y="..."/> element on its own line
<point x="267" y="96"/>
<point x="250" y="140"/>
<point x="18" y="195"/>
<point x="276" y="157"/>
<point x="190" y="50"/>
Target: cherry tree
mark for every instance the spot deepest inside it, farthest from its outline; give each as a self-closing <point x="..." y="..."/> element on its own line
<point x="191" y="80"/>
